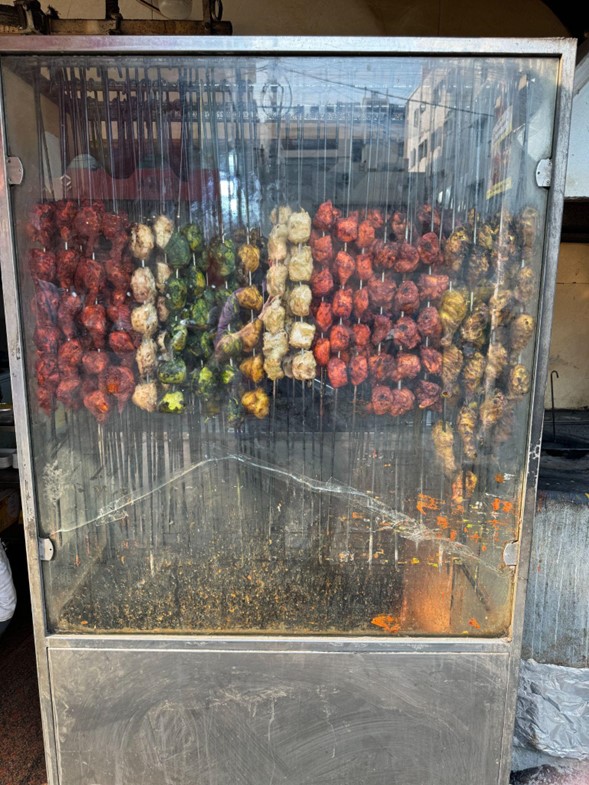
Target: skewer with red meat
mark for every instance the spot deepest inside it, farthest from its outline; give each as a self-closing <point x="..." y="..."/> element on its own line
<point x="361" y="335"/>
<point x="47" y="339"/>
<point x="431" y="359"/>
<point x="115" y="227"/>
<point x="69" y="391"/>
<point x="403" y="401"/>
<point x="432" y="286"/>
<point x="88" y="224"/>
<point x="324" y="317"/>
<point x="93" y="319"/>
<point x="90" y="277"/>
<point x="45" y="399"/>
<point x="405" y="333"/>
<point x="119" y="381"/>
<point x="70" y="306"/>
<point x="66" y="262"/>
<point x="41" y="224"/>
<point x="326" y="216"/>
<point x="343" y="303"/>
<point x="122" y="344"/>
<point x="407" y="366"/>
<point x="428" y="248"/>
<point x="381" y="292"/>
<point x="47" y="373"/>
<point x="361" y="301"/>
<point x="407" y="259"/>
<point x="339" y="338"/>
<point x="399" y="225"/>
<point x="366" y="235"/>
<point x="429" y="324"/>
<point x="406" y="300"/>
<point x="358" y="369"/>
<point x="69" y="357"/>
<point x="65" y="216"/>
<point x="384" y="255"/>
<point x="346" y="229"/>
<point x="428" y="219"/>
<point x="344" y="267"/>
<point x="99" y="405"/>
<point x="382" y="399"/>
<point x="42" y="265"/>
<point x="322" y="283"/>
<point x="381" y="367"/>
<point x="119" y="310"/>
<point x="428" y="395"/>
<point x="322" y="351"/>
<point x="322" y="249"/>
<point x="382" y="326"/>
<point x="375" y="217"/>
<point x="364" y="268"/>
<point x="46" y="303"/>
<point x="118" y="273"/>
<point x="94" y="362"/>
<point x="337" y="372"/>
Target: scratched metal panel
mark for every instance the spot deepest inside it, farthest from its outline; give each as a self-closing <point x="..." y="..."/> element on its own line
<point x="556" y="627"/>
<point x="185" y="718"/>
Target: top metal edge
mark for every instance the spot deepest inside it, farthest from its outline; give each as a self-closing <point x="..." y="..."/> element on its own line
<point x="291" y="45"/>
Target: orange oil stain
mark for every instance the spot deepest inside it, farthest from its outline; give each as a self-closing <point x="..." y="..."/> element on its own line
<point x="386" y="622"/>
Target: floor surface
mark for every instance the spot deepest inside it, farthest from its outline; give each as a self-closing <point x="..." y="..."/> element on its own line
<point x="22" y="760"/>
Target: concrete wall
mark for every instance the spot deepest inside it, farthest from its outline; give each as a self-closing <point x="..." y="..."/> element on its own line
<point x="569" y="347"/>
<point x="358" y="17"/>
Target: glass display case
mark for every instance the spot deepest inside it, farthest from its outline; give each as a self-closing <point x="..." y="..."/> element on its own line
<point x="281" y="314"/>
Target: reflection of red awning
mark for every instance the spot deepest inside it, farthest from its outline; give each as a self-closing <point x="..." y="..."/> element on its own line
<point x="148" y="184"/>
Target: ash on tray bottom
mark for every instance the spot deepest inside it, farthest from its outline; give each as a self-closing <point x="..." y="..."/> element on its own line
<point x="267" y="596"/>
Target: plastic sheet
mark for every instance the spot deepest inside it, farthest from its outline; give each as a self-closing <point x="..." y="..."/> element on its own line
<point x="552" y="713"/>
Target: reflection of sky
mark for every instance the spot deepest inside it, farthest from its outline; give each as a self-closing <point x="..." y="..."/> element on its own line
<point x="332" y="80"/>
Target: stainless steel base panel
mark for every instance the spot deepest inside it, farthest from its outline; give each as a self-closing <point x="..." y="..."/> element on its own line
<point x="165" y="716"/>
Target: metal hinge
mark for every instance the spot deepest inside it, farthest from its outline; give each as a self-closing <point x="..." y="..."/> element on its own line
<point x="544" y="173"/>
<point x="15" y="171"/>
<point x="511" y="553"/>
<point x="46" y="549"/>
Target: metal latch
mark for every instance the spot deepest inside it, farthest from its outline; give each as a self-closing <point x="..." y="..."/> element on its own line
<point x="510" y="553"/>
<point x="544" y="173"/>
<point x="46" y="549"/>
<point x="14" y="170"/>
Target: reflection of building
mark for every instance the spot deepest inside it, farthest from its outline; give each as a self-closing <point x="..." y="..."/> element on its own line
<point x="351" y="153"/>
<point x="460" y="134"/>
<point x="439" y="121"/>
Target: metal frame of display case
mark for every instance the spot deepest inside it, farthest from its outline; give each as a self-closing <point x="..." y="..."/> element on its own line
<point x="502" y="655"/>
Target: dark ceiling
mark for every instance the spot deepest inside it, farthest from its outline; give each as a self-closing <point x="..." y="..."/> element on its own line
<point x="574" y="15"/>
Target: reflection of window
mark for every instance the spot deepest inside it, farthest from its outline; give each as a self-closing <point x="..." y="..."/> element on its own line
<point x="423" y="150"/>
<point x="412" y="158"/>
<point x="415" y="118"/>
<point x="438" y="93"/>
<point x="401" y="149"/>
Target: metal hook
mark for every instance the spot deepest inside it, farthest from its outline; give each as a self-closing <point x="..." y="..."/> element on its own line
<point x="552" y="374"/>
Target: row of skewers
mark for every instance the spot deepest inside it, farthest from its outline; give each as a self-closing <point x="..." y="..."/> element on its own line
<point x="404" y="314"/>
<point x="408" y="317"/>
<point x="131" y="311"/>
